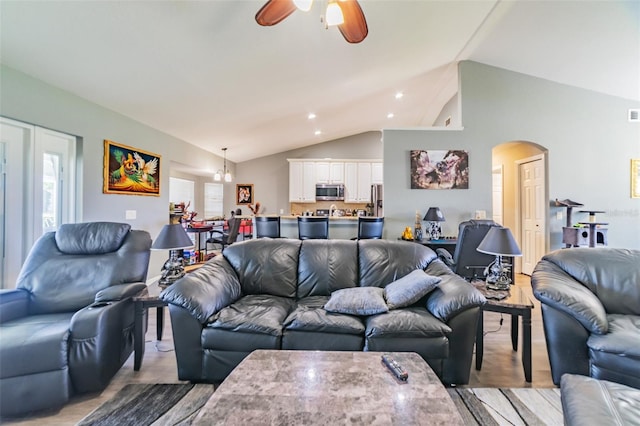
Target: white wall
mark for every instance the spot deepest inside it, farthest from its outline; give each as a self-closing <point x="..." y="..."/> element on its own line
<point x="587" y="135"/>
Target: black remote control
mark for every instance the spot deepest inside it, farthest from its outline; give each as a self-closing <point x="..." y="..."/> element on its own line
<point x="395" y="368"/>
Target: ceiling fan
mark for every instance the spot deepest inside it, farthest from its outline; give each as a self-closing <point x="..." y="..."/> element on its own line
<point x="345" y="14"/>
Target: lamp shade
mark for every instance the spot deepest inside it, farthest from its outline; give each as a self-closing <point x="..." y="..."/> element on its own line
<point x="172" y="237"/>
<point x="499" y="242"/>
<point x="434" y="215"/>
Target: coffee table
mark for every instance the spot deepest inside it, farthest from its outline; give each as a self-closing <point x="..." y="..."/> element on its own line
<point x="514" y="303"/>
<point x="328" y="388"/>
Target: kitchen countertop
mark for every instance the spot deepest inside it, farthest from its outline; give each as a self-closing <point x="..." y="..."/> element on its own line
<point x="295" y="217"/>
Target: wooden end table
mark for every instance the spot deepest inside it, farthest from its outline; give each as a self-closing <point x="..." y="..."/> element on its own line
<point x="147" y="298"/>
<point x="516" y="304"/>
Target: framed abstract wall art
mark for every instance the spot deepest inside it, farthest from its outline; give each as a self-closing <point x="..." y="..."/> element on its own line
<point x="439" y="169"/>
<point x="130" y="171"/>
<point x="244" y="193"/>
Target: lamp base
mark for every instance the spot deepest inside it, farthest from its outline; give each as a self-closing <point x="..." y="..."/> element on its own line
<point x="172" y="270"/>
<point x="498" y="275"/>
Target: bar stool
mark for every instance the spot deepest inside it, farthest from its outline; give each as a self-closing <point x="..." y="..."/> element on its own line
<point x="370" y="227"/>
<point x="267" y="226"/>
<point x="313" y="227"/>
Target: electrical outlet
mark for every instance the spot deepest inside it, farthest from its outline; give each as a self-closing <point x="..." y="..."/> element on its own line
<point x="129" y="214"/>
<point x="559" y="215"/>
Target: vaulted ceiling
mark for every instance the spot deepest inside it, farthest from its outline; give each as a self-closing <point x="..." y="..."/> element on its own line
<point x="207" y="73"/>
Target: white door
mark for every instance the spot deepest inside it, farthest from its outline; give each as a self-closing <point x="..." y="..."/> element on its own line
<point x="38" y="189"/>
<point x="532" y="213"/>
<point x="16" y="139"/>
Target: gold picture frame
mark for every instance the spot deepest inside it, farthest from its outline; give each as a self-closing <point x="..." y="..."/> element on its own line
<point x="244" y="193"/>
<point x="130" y="171"/>
<point x="635" y="178"/>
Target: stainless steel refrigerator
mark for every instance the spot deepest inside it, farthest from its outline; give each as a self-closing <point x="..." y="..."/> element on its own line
<point x="376" y="200"/>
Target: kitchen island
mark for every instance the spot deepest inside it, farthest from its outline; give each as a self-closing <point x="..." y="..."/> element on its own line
<point x="340" y="227"/>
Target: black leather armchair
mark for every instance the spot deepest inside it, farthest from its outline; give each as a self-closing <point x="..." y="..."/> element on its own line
<point x="67" y="327"/>
<point x="590" y="301"/>
<point x="466" y="260"/>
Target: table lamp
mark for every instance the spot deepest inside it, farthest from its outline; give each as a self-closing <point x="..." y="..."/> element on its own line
<point x="498" y="242"/>
<point x="173" y="237"/>
<point x="434" y="216"/>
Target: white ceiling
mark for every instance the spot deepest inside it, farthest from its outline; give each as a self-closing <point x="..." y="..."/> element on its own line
<point x="207" y="73"/>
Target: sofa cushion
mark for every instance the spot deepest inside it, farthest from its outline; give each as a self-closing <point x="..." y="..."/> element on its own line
<point x="413" y="321"/>
<point x="253" y="322"/>
<point x="327" y="265"/>
<point x="309" y="315"/>
<point x="384" y="261"/>
<point x="409" y="289"/>
<point x="34" y="344"/>
<point x="357" y="301"/>
<point x="265" y="265"/>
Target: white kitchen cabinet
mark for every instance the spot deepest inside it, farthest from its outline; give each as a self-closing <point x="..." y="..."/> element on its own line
<point x="329" y="172"/>
<point x="302" y="182"/>
<point x="376" y="173"/>
<point x="357" y="182"/>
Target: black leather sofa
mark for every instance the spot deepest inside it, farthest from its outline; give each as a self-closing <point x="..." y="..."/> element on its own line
<point x="591" y="312"/>
<point x="587" y="401"/>
<point x="67" y="327"/>
<point x="270" y="293"/>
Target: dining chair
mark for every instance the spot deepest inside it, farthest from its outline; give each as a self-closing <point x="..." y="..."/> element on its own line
<point x="313" y="227"/>
<point x="267" y="226"/>
<point x="226" y="238"/>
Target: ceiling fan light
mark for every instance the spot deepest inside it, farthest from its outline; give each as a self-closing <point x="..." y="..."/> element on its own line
<point x="334" y="15"/>
<point x="303" y="5"/>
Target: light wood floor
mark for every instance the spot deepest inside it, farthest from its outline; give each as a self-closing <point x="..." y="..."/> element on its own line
<point x="501" y="366"/>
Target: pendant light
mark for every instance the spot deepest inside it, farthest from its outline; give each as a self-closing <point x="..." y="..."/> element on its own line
<point x="333" y="15"/>
<point x="224" y="172"/>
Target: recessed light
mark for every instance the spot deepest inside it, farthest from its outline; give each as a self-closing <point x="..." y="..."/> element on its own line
<point x="311" y="116"/>
<point x="399" y="95"/>
<point x="390" y="115"/>
<point x="317" y="132"/>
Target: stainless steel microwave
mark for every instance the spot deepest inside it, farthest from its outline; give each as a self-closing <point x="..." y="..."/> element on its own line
<point x="329" y="192"/>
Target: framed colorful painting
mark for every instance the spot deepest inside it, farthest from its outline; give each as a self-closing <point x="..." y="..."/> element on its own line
<point x="244" y="194"/>
<point x="130" y="171"/>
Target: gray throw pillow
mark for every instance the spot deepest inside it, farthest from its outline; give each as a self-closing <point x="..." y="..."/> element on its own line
<point x="409" y="289"/>
<point x="357" y="301"/>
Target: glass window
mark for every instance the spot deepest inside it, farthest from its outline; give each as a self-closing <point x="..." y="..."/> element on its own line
<point x="213" y="193"/>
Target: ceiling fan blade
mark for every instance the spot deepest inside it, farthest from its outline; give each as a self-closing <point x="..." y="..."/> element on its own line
<point x="354" y="29"/>
<point x="274" y="11"/>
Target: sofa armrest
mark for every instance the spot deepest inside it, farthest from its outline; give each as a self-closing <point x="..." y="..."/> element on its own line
<point x="556" y="288"/>
<point x="445" y="256"/>
<point x="205" y="291"/>
<point x="13" y="304"/>
<point x="453" y="295"/>
<point x="119" y="292"/>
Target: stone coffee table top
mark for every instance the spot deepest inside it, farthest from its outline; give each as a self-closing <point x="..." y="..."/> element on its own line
<point x="329" y="388"/>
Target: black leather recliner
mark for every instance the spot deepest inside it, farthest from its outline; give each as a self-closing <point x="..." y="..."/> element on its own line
<point x="67" y="327"/>
<point x="466" y="260"/>
<point x="591" y="312"/>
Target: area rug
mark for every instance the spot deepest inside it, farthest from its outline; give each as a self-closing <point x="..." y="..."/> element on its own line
<point x="178" y="404"/>
<point x="516" y="406"/>
<point x="148" y="404"/>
